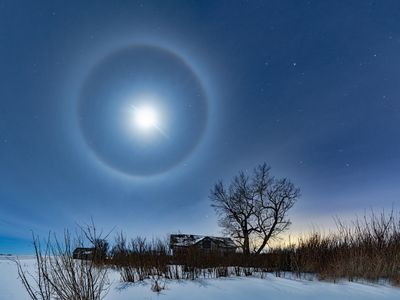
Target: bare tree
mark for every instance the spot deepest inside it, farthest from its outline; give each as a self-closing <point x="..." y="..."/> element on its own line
<point x="236" y="209"/>
<point x="253" y="208"/>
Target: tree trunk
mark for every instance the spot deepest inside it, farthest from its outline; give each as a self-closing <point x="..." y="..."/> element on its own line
<point x="246" y="243"/>
<point x="267" y="237"/>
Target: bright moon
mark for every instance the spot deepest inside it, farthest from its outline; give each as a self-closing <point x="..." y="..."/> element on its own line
<point x="145" y="117"/>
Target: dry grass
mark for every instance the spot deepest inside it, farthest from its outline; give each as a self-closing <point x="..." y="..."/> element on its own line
<point x="368" y="249"/>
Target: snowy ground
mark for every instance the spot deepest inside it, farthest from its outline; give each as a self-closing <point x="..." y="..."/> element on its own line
<point x="228" y="288"/>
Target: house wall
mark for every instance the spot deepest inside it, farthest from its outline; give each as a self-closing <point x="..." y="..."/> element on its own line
<point x="204" y="247"/>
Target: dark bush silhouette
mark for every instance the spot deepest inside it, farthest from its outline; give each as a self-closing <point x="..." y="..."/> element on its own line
<point x="59" y="276"/>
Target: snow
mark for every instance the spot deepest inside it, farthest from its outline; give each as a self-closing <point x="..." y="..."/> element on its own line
<point x="186" y="239"/>
<point x="233" y="288"/>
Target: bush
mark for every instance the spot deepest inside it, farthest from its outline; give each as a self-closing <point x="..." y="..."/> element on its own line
<point x="59" y="276"/>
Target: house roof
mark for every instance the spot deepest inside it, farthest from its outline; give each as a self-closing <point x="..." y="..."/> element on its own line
<point x="185" y="240"/>
<point x="83" y="251"/>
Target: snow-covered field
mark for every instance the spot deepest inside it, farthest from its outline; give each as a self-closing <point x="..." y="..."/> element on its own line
<point x="229" y="288"/>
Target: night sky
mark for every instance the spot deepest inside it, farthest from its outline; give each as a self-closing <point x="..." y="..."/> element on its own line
<point x="310" y="87"/>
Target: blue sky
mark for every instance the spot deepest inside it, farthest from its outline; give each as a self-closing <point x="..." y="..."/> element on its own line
<point x="310" y="87"/>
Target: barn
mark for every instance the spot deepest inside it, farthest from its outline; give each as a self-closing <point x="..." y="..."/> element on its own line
<point x="181" y="243"/>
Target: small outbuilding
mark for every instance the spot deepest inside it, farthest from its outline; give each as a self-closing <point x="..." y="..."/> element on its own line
<point x="181" y="243"/>
<point x="83" y="253"/>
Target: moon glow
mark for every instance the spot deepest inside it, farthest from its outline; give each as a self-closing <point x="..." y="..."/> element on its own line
<point x="142" y="110"/>
<point x="145" y="117"/>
